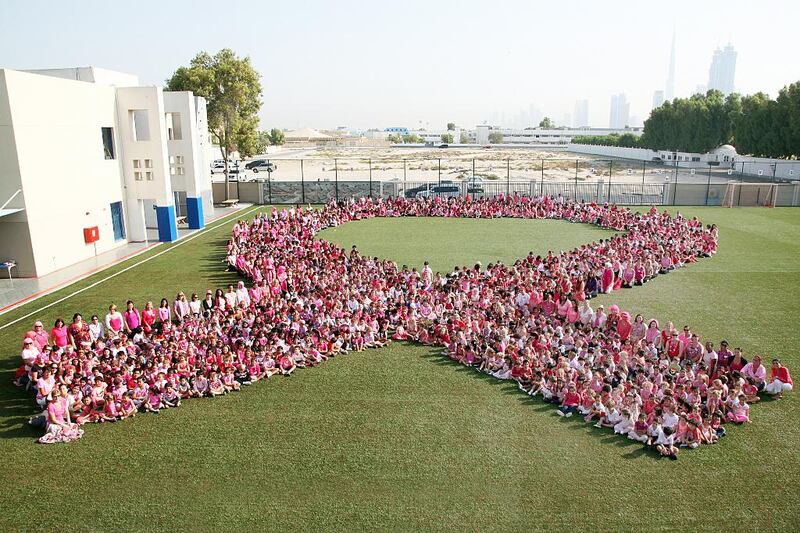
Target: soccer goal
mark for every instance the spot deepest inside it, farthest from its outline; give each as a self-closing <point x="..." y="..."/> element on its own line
<point x="750" y="194"/>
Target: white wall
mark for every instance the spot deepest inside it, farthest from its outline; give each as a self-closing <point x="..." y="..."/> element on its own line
<point x="15" y="239"/>
<point x="192" y="147"/>
<point x="67" y="182"/>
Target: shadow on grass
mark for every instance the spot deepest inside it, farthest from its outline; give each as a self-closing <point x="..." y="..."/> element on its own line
<point x="575" y="422"/>
<point x="16" y="406"/>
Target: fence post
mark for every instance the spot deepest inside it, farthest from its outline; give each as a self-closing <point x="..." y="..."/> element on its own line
<point x="336" y="177"/>
<point x="370" y="177"/>
<point x="404" y="177"/>
<point x="508" y="177"/>
<point x="576" y="180"/>
<point x="610" y="172"/>
<point x="542" y="170"/>
<point x="708" y="184"/>
<point x="302" y="182"/>
<point x="440" y="172"/>
<point x="675" y="191"/>
<point x="641" y="196"/>
<point x="269" y="184"/>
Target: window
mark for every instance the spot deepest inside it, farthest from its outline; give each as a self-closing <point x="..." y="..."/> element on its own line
<point x="137" y="176"/>
<point x="171" y="171"/>
<point x="180" y="171"/>
<point x="137" y="163"/>
<point x="140" y="126"/>
<point x="173" y="121"/>
<point x="179" y="159"/>
<point x="108" y="142"/>
<point x="148" y="163"/>
<point x="149" y="176"/>
<point x="172" y="160"/>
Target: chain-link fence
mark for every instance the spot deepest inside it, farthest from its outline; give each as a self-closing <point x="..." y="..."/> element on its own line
<point x="314" y="181"/>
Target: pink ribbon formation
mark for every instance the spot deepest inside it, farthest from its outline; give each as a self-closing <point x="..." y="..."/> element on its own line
<point x="530" y="321"/>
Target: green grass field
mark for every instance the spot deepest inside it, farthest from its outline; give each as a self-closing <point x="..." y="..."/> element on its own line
<point x="400" y="438"/>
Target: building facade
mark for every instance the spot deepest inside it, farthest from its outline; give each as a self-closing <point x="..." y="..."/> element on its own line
<point x="89" y="160"/>
<point x="722" y="70"/>
<point x="620" y="112"/>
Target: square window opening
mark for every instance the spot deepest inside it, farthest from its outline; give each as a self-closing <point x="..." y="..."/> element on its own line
<point x="140" y="125"/>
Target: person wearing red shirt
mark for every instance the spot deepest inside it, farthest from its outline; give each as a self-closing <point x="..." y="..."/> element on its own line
<point x="780" y="380"/>
<point x="570" y="402"/>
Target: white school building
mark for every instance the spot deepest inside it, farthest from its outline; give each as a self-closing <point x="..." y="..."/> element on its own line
<point x="90" y="159"/>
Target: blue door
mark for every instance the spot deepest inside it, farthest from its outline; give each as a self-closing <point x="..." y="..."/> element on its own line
<point x="117" y="222"/>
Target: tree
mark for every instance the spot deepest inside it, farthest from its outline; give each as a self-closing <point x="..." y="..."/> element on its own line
<point x="276" y="137"/>
<point x="262" y="142"/>
<point x="394" y="138"/>
<point x="464" y="138"/>
<point x="447" y="138"/>
<point x="412" y="138"/>
<point x="232" y="89"/>
<point x="495" y="137"/>
<point x="546" y="124"/>
<point x="451" y="126"/>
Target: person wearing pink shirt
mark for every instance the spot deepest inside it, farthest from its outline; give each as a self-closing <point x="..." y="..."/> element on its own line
<point x="756" y="371"/>
<point x="163" y="310"/>
<point x="40" y="336"/>
<point x="132" y="317"/>
<point x="115" y="322"/>
<point x="59" y="333"/>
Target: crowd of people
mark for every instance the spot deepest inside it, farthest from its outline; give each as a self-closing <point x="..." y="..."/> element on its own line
<point x="310" y="300"/>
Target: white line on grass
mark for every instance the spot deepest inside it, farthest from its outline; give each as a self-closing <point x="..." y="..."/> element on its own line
<point x="115" y="274"/>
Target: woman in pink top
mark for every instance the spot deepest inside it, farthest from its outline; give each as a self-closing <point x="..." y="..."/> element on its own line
<point x="114" y="321"/>
<point x="163" y="310"/>
<point x="59" y="425"/>
<point x="40" y="336"/>
<point x="132" y="317"/>
<point x="59" y="333"/>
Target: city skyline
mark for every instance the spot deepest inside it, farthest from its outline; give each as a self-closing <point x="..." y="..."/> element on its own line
<point x="361" y="65"/>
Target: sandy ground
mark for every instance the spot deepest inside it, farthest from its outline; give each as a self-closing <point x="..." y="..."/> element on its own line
<point x="432" y="164"/>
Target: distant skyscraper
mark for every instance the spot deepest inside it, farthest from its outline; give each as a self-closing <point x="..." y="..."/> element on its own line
<point x="620" y="111"/>
<point x="722" y="70"/>
<point x="658" y="99"/>
<point x="669" y="91"/>
<point x="580" y="117"/>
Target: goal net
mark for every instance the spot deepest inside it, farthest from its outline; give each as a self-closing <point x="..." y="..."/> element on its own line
<point x="750" y="194"/>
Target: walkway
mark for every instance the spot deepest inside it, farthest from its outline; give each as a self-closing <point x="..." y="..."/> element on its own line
<point x="19" y="291"/>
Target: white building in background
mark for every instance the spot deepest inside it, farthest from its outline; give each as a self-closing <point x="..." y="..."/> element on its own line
<point x="620" y="111"/>
<point x="560" y="136"/>
<point x="722" y="70"/>
<point x="580" y="117"/>
<point x="89" y="159"/>
<point x="658" y="98"/>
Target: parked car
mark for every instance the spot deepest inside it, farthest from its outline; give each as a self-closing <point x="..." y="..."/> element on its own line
<point x="261" y="165"/>
<point x="447" y="191"/>
<point x="444" y="145"/>
<point x="218" y="166"/>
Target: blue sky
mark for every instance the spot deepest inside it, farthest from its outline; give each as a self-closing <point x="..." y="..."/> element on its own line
<point x="373" y="63"/>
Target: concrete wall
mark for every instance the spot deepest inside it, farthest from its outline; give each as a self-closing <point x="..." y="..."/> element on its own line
<point x="739" y="165"/>
<point x="67" y="183"/>
<point x="15" y="240"/>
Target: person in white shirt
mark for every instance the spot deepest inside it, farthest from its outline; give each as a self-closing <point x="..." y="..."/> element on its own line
<point x="665" y="443"/>
<point x="96" y="328"/>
